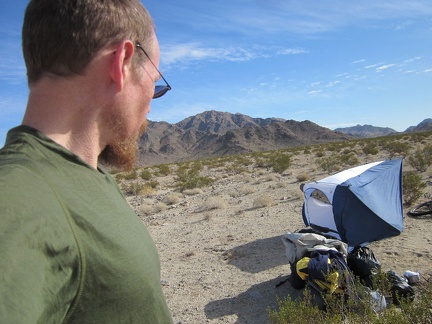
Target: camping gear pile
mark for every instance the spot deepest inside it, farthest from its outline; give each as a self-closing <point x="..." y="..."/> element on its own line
<point x="343" y="214"/>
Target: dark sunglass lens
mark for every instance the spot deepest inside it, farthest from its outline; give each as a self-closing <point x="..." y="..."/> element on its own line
<point x="160" y="90"/>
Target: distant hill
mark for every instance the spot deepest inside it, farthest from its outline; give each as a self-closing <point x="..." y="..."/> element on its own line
<point x="213" y="133"/>
<point x="366" y="131"/>
<point x="425" y="125"/>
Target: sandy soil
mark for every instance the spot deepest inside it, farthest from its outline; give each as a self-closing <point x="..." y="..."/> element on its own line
<point x="222" y="258"/>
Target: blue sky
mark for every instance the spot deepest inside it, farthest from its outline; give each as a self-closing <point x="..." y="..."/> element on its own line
<point x="337" y="63"/>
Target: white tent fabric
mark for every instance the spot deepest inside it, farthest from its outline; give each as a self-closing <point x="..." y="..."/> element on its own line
<point x="359" y="204"/>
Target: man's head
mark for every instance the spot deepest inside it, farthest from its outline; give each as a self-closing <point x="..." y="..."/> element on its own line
<point x="62" y="37"/>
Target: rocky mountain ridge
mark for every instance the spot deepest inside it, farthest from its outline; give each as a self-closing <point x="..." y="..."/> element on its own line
<point x="214" y="133"/>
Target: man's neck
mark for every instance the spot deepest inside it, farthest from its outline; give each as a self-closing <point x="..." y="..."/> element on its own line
<point x="63" y="117"/>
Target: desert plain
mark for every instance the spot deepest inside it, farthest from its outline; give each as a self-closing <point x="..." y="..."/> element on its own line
<point x="222" y="257"/>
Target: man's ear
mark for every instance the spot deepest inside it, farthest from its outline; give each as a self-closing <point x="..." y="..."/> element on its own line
<point x="121" y="65"/>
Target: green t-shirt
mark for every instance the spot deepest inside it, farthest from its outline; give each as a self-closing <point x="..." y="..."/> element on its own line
<point x="71" y="248"/>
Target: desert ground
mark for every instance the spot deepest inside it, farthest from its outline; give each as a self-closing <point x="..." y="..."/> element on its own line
<point x="222" y="257"/>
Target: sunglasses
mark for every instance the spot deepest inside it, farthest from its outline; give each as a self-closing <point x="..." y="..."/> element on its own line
<point x="160" y="90"/>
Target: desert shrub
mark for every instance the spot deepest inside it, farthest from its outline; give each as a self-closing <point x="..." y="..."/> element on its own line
<point x="146" y="174"/>
<point x="396" y="148"/>
<point x="370" y="148"/>
<point x="303" y="177"/>
<point x="280" y="162"/>
<point x="215" y="202"/>
<point x="131" y="175"/>
<point x="191" y="178"/>
<point x="163" y="169"/>
<point x="304" y="311"/>
<point x="329" y="164"/>
<point x="159" y="206"/>
<point x="262" y="162"/>
<point x="195" y="182"/>
<point x="119" y="176"/>
<point x="242" y="191"/>
<point x="146" y="209"/>
<point x="320" y="153"/>
<point x="235" y="169"/>
<point x="412" y="187"/>
<point x="263" y="201"/>
<point x="133" y="188"/>
<point x="171" y="199"/>
<point x="271" y="177"/>
<point x="193" y="192"/>
<point x="349" y="159"/>
<point x="247" y="179"/>
<point x="244" y="160"/>
<point x="421" y="159"/>
<point x="153" y="184"/>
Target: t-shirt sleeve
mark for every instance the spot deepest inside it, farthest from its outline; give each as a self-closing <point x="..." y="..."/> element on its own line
<point x="39" y="258"/>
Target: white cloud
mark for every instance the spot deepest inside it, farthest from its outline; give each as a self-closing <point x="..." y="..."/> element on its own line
<point x="193" y="52"/>
<point x="332" y="83"/>
<point x="384" y="67"/>
<point x="300" y="17"/>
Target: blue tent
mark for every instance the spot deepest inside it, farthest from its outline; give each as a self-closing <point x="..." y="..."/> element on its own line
<point x="358" y="205"/>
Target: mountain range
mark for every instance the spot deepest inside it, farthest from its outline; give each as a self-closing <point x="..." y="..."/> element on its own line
<point x="214" y="133"/>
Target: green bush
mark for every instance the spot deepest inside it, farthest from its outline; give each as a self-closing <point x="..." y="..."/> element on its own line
<point x="396" y="148"/>
<point x="146" y="174"/>
<point x="131" y="175"/>
<point x="133" y="188"/>
<point x="163" y="169"/>
<point x="329" y="164"/>
<point x="191" y="178"/>
<point x="280" y="162"/>
<point x="359" y="312"/>
<point x="421" y="159"/>
<point x="412" y="187"/>
<point x="370" y="148"/>
<point x="349" y="159"/>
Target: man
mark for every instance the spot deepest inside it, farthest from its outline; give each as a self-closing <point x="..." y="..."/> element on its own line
<point x="72" y="250"/>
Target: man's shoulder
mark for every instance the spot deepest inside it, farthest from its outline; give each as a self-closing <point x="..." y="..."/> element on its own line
<point x="20" y="180"/>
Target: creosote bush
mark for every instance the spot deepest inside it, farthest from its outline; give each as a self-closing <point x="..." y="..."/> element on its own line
<point x="280" y="162"/>
<point x="412" y="187"/>
<point x="146" y="174"/>
<point x="360" y="312"/>
<point x="190" y="178"/>
<point x="421" y="159"/>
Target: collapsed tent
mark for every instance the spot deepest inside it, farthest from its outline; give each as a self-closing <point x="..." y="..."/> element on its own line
<point x="358" y="205"/>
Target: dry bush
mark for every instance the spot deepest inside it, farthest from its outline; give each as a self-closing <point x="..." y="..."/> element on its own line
<point x="303" y="177"/>
<point x="242" y="191"/>
<point x="247" y="178"/>
<point x="147" y="191"/>
<point x="215" y="202"/>
<point x="172" y="198"/>
<point x="280" y="184"/>
<point x="263" y="201"/>
<point x="272" y="177"/>
<point x="246" y="190"/>
<point x="146" y="209"/>
<point x="193" y="192"/>
<point x="159" y="206"/>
